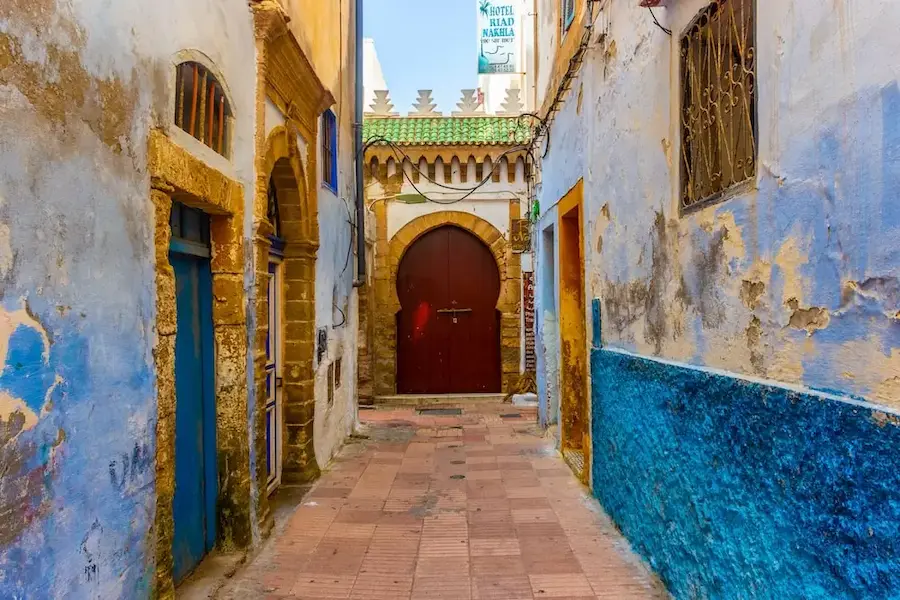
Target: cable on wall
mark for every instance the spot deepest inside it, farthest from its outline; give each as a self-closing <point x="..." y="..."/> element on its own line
<point x="665" y="30"/>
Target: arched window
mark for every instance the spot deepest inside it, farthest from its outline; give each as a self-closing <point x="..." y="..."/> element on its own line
<point x="201" y="107"/>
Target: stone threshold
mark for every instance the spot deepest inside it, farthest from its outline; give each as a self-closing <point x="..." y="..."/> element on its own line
<point x="430" y="399"/>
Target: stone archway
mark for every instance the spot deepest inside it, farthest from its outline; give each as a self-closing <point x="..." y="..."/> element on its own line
<point x="387" y="303"/>
<point x="283" y="167"/>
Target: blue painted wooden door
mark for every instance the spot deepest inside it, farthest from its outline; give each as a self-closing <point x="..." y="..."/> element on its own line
<point x="195" y="469"/>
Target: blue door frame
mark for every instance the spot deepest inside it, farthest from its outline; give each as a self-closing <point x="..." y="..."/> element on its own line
<point x="273" y="379"/>
<point x="194" y="505"/>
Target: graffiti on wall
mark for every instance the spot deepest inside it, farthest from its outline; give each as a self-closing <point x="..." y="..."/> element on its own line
<point x="521" y="235"/>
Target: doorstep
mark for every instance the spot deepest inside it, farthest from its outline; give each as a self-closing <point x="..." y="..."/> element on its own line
<point x="429" y="399"/>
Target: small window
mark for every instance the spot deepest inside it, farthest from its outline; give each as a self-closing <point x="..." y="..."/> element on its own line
<point x="567" y="11"/>
<point x="331" y="384"/>
<point x="338" y="372"/>
<point x="201" y="108"/>
<point x="718" y="112"/>
<point x="190" y="231"/>
<point x="329" y="150"/>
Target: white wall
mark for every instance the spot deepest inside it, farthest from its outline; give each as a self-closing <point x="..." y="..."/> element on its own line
<point x="88" y="80"/>
<point x="547" y="41"/>
<point x="490" y="202"/>
<point x="335" y="270"/>
<point x="811" y="229"/>
<point x="373" y="76"/>
<point x="494" y="211"/>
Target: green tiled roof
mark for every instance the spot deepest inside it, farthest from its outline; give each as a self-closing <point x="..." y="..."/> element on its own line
<point x="448" y="131"/>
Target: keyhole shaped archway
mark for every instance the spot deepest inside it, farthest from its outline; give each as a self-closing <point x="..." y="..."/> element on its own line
<point x="386" y="304"/>
<point x="448" y="325"/>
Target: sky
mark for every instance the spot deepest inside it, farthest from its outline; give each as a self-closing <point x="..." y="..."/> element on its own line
<point x="424" y="44"/>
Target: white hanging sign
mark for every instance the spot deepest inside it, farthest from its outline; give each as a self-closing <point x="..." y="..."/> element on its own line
<point x="499" y="37"/>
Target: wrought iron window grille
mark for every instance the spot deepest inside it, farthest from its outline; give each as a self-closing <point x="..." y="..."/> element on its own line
<point x="718" y="110"/>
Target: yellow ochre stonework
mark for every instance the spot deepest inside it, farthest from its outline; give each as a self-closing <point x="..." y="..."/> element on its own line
<point x="287" y="78"/>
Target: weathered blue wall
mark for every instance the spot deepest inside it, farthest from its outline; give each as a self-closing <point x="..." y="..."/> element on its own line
<point x="81" y="84"/>
<point x="737" y="489"/>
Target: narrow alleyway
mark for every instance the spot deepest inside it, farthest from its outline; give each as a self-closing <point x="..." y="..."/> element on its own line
<point x="474" y="506"/>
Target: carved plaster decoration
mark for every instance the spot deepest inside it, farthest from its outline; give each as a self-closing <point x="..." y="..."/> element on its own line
<point x="383" y="107"/>
<point x="425" y="105"/>
<point x="470" y="105"/>
<point x="513" y="103"/>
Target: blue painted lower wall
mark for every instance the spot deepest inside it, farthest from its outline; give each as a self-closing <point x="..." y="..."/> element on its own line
<point x="734" y="489"/>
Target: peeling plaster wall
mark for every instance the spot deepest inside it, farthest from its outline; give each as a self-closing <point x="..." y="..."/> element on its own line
<point x="336" y="309"/>
<point x="325" y="33"/>
<point x="82" y="84"/>
<point x="561" y="168"/>
<point x="795" y="279"/>
<point x="546" y="307"/>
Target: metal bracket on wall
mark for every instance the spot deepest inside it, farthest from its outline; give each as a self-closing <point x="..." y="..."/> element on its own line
<point x="321" y="343"/>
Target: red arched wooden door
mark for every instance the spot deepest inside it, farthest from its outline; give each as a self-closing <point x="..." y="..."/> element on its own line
<point x="448" y="327"/>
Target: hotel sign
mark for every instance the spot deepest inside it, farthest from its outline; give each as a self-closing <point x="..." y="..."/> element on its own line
<point x="499" y="37"/>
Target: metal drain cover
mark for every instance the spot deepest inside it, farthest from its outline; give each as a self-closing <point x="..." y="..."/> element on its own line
<point x="457" y="477"/>
<point x="511" y="416"/>
<point x="439" y="411"/>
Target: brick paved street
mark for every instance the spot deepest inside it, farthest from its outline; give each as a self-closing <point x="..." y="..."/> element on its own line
<point x="477" y="506"/>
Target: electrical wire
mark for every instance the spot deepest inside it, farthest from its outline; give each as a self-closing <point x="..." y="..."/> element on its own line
<point x="666" y="30"/>
<point x="574" y="64"/>
<point x="399" y="154"/>
<point x="343" y="316"/>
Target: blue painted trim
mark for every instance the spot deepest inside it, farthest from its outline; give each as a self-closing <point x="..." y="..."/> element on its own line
<point x="181" y="246"/>
<point x="329" y="129"/>
<point x="271" y="381"/>
<point x="211" y="487"/>
<point x="596" y="323"/>
<point x="568" y="19"/>
<point x="277" y="248"/>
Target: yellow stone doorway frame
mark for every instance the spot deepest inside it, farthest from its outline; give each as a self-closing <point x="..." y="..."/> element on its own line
<point x="575" y="426"/>
<point x="176" y="175"/>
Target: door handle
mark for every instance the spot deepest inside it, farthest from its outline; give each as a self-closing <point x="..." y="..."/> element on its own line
<point x="279" y="381"/>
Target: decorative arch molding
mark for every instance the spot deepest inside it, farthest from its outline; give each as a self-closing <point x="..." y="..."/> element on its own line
<point x="198" y="56"/>
<point x="462" y="158"/>
<point x="282" y="159"/>
<point x="483" y="230"/>
<point x="287" y="79"/>
<point x="389" y="253"/>
<point x="281" y="162"/>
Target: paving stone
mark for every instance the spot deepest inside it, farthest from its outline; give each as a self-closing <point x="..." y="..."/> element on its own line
<point x="388" y="521"/>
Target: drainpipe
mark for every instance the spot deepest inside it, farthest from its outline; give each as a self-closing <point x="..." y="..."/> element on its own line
<point x="358" y="149"/>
